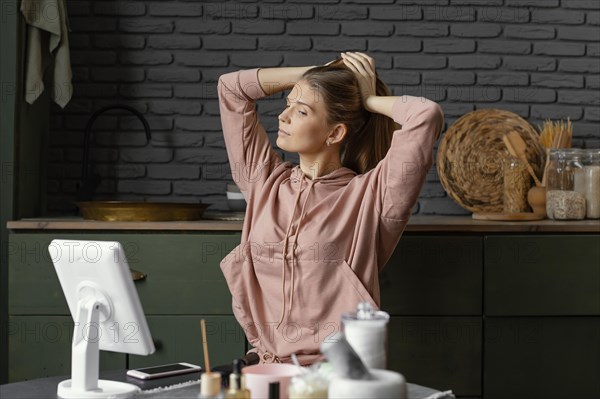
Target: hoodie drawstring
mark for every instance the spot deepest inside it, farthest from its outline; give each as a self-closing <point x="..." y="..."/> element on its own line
<point x="287" y="233"/>
<point x="285" y="246"/>
<point x="294" y="246"/>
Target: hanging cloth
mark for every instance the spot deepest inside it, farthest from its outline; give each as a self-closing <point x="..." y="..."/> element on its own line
<point x="47" y="49"/>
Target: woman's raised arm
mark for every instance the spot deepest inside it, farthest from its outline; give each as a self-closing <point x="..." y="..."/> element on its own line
<point x="400" y="175"/>
<point x="273" y="80"/>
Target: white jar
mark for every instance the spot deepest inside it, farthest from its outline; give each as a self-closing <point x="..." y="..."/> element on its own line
<point x="591" y="183"/>
<point x="366" y="331"/>
<point x="385" y="385"/>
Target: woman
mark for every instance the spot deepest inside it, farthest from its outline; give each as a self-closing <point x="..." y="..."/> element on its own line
<point x="317" y="234"/>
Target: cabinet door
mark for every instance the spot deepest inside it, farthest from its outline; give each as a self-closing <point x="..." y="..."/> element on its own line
<point x="542" y="275"/>
<point x="182" y="272"/>
<point x="40" y="346"/>
<point x="439" y="352"/>
<point x="33" y="286"/>
<point x="542" y="357"/>
<point x="179" y="339"/>
<point x="434" y="275"/>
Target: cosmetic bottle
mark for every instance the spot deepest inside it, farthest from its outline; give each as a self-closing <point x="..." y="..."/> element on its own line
<point x="236" y="389"/>
<point x="274" y="390"/>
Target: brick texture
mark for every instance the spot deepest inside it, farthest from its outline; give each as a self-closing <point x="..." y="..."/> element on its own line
<point x="537" y="58"/>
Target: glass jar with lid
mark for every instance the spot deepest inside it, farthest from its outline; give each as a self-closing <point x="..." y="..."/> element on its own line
<point x="565" y="191"/>
<point x="590" y="183"/>
<point x="516" y="185"/>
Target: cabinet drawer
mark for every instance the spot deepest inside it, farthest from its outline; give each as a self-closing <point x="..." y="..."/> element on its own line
<point x="434" y="275"/>
<point x="440" y="352"/>
<point x="543" y="275"/>
<point x="542" y="357"/>
<point x="179" y="339"/>
<point x="33" y="284"/>
<point x="40" y="346"/>
<point x="183" y="273"/>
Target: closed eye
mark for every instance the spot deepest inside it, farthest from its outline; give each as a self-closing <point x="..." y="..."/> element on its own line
<point x="300" y="112"/>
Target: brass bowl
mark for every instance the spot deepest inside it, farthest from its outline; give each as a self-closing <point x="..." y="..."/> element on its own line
<point x="127" y="211"/>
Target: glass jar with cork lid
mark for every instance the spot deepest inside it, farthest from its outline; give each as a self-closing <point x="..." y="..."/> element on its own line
<point x="565" y="199"/>
<point x="516" y="185"/>
<point x="588" y="183"/>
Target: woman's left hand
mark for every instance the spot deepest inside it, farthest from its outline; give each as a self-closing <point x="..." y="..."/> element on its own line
<point x="364" y="68"/>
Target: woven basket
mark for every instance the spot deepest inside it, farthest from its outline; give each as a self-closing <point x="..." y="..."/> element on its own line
<point x="471" y="155"/>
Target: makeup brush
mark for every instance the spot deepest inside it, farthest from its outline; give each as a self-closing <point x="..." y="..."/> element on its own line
<point x="205" y="346"/>
<point x="210" y="383"/>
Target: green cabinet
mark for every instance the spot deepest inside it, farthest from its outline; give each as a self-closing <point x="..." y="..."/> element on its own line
<point x="40" y="346"/>
<point x="542" y="275"/>
<point x="542" y="330"/>
<point x="183" y="284"/>
<point x="440" y="352"/>
<point x="542" y="357"/>
<point x="182" y="272"/>
<point x="486" y="315"/>
<point x="425" y="274"/>
<point x="430" y="286"/>
<point x="432" y="283"/>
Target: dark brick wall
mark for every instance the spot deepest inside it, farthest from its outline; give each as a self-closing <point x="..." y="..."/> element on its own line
<point x="537" y="58"/>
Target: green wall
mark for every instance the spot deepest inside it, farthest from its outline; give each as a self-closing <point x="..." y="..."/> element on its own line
<point x="23" y="135"/>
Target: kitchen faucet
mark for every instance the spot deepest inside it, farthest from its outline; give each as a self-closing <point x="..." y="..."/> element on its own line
<point x="89" y="179"/>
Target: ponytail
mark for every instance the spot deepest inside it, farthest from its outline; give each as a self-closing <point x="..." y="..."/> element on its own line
<point x="365" y="148"/>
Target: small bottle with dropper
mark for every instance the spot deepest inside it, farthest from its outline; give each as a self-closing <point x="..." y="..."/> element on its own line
<point x="237" y="389"/>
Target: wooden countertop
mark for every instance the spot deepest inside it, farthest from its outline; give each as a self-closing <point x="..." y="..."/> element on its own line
<point x="431" y="224"/>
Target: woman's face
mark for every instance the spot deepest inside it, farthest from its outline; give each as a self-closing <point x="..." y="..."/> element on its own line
<point x="302" y="124"/>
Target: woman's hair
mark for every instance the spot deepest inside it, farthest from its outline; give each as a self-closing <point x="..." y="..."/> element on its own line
<point x="369" y="134"/>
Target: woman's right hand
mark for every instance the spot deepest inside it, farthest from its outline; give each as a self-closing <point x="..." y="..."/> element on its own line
<point x="364" y="68"/>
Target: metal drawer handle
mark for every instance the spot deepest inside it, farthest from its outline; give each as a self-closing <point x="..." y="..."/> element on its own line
<point x="137" y="275"/>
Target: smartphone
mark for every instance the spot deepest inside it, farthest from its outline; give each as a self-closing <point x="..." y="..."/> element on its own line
<point x="166" y="370"/>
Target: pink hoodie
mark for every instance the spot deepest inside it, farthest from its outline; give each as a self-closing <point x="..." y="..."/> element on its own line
<point x="313" y="249"/>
